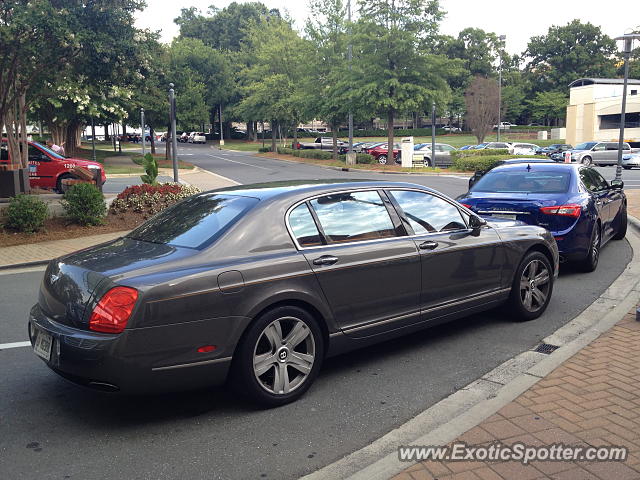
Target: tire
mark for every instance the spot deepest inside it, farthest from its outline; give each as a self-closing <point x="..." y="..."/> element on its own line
<point x="622" y="229"/>
<point x="266" y="339"/>
<point x="527" y="300"/>
<point x="382" y="159"/>
<point x="586" y="160"/>
<point x="590" y="262"/>
<point x="427" y="162"/>
<point x="59" y="181"/>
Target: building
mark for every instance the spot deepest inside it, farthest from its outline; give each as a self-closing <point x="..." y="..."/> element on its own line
<point x="595" y="105"/>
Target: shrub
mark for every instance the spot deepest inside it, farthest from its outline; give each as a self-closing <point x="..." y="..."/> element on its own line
<point x="26" y="213"/>
<point x="84" y="204"/>
<point x="150" y="165"/>
<point x="150" y="199"/>
<point x="479" y="162"/>
<point x="479" y="153"/>
<point x="264" y="150"/>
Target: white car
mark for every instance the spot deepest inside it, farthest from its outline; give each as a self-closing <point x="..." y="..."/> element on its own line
<point x="197" y="137"/>
<point x="504" y="126"/>
<point x="442" y="159"/>
<point x="630" y="161"/>
<point x="449" y="128"/>
<point x="523" y="149"/>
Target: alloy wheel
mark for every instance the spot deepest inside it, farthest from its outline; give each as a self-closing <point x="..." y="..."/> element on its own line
<point x="534" y="285"/>
<point x="595" y="246"/>
<point x="382" y="159"/>
<point x="586" y="161"/>
<point x="284" y="355"/>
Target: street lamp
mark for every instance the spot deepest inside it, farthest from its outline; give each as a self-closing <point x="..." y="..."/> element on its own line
<point x="628" y="44"/>
<point x="174" y="136"/>
<point x="350" y="156"/>
<point x="142" y="128"/>
<point x="502" y="38"/>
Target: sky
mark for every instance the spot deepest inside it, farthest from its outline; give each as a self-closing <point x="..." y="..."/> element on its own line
<point x="517" y="19"/>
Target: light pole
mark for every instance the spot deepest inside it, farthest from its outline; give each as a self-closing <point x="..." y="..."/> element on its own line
<point x="93" y="139"/>
<point x="628" y="44"/>
<point x="142" y="128"/>
<point x="502" y="38"/>
<point x="174" y="136"/>
<point x="351" y="160"/>
<point x="433" y="134"/>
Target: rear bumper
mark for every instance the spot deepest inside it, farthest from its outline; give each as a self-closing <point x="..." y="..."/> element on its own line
<point x="129" y="362"/>
<point x="573" y="244"/>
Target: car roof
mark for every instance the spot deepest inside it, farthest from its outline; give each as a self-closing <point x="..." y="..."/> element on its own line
<point x="293" y="188"/>
<point x="546" y="165"/>
<point x="528" y="160"/>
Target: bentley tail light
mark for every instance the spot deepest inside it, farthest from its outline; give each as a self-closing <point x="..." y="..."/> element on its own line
<point x="112" y="312"/>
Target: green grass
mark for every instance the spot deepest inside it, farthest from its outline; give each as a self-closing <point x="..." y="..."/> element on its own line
<point x="163" y="163"/>
<point x="86" y="153"/>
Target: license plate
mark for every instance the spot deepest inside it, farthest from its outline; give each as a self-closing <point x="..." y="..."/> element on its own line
<point x="43" y="344"/>
<point x="506" y="216"/>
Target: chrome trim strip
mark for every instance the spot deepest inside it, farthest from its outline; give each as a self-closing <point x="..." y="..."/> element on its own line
<point x="503" y="212"/>
<point x="194" y="364"/>
<point x="382" y="322"/>
<point x="465" y="300"/>
<point x="463" y="212"/>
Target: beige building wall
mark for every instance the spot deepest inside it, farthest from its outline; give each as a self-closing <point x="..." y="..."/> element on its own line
<point x="587" y="103"/>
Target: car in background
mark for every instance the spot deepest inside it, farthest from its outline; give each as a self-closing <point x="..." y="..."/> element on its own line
<point x="193" y="298"/>
<point x="575" y="203"/>
<point x="197" y="137"/>
<point x="523" y="149"/>
<point x="320" y="143"/>
<point x="478" y="174"/>
<point x="552" y="149"/>
<point x="371" y="146"/>
<point x="493" y="145"/>
<point x="596" y="153"/>
<point x="466" y="147"/>
<point x="451" y="129"/>
<point x="381" y="153"/>
<point x="47" y="169"/>
<point x="442" y="156"/>
<point x="631" y="161"/>
<point x="504" y="126"/>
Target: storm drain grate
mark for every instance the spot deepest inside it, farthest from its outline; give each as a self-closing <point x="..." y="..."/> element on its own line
<point x="546" y="348"/>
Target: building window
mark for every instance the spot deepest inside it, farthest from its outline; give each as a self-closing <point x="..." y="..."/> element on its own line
<point x="632" y="120"/>
<point x="634" y="92"/>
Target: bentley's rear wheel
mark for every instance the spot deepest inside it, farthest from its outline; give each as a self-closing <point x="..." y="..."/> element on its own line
<point x="280" y="356"/>
<point x="532" y="287"/>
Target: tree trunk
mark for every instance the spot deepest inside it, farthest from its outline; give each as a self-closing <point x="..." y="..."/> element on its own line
<point x="249" y="130"/>
<point x="167" y="144"/>
<point x="107" y="137"/>
<point x="295" y="137"/>
<point x="334" y="135"/>
<point x="255" y="131"/>
<point x="273" y="135"/>
<point x="390" y="138"/>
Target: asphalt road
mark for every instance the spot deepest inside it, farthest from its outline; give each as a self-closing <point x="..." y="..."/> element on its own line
<point x="52" y="429"/>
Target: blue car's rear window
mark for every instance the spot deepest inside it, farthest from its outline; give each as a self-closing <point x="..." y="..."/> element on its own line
<point x="194" y="222"/>
<point x="523" y="181"/>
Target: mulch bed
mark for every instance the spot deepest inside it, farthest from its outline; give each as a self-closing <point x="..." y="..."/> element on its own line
<point x="59" y="228"/>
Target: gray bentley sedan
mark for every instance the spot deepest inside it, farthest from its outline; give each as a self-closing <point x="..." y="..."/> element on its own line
<point x="258" y="284"/>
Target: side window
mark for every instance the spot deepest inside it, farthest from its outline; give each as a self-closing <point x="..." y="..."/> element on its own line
<point x="599" y="147"/>
<point x="591" y="181"/>
<point x="354" y="216"/>
<point x="35" y="155"/>
<point x="447" y="148"/>
<point x="4" y="152"/>
<point x="304" y="227"/>
<point x="599" y="180"/>
<point x="427" y="213"/>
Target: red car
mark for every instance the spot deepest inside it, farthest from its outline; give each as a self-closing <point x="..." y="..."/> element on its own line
<point x="47" y="169"/>
<point x="381" y="153"/>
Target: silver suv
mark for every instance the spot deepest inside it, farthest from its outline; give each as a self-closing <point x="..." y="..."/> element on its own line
<point x="597" y="153"/>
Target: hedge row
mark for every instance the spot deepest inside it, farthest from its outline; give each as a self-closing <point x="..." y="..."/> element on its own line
<point x="323" y="155"/>
<point x="479" y="153"/>
<point x="406" y="132"/>
<point x="473" y="163"/>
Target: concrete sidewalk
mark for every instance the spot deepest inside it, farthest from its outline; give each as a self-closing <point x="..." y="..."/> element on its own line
<point x="591" y="400"/>
<point x="40" y="253"/>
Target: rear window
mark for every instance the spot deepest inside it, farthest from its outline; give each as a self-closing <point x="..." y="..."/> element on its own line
<point x="524" y="182"/>
<point x="195" y="222"/>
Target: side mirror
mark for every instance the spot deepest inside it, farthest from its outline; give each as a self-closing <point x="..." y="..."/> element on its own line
<point x="617" y="184"/>
<point x="476" y="223"/>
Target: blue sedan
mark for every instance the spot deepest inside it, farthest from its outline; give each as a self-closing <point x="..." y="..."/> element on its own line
<point x="581" y="209"/>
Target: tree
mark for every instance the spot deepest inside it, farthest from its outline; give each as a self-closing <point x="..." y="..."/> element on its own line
<point x="481" y="99"/>
<point x="569" y="52"/>
<point x="549" y="106"/>
<point x="394" y="71"/>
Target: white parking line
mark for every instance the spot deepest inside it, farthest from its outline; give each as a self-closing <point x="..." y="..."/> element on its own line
<point x="235" y="161"/>
<point x="4" y="346"/>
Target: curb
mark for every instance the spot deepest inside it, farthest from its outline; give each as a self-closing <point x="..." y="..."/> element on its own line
<point x="15" y="266"/>
<point x="466" y="408"/>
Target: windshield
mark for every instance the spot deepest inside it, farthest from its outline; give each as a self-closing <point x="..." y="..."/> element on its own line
<point x="195" y="222"/>
<point x="541" y="181"/>
<point x="585" y="146"/>
<point x="49" y="151"/>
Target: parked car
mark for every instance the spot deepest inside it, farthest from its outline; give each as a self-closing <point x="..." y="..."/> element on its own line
<point x="597" y="153"/>
<point x="451" y="129"/>
<point x="197" y="137"/>
<point x="581" y="209"/>
<point x="381" y="153"/>
<point x="47" y="168"/>
<point x="492" y="145"/>
<point x="442" y="156"/>
<point x="555" y="148"/>
<point x="523" y="149"/>
<point x="183" y="137"/>
<point x="478" y="174"/>
<point x="466" y="147"/>
<point x="366" y="149"/>
<point x="504" y="126"/>
<point x="630" y="161"/>
<point x="259" y="284"/>
<point x="320" y="143"/>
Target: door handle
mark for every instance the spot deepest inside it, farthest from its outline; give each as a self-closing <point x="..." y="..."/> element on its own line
<point x="325" y="260"/>
<point x="428" y="245"/>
